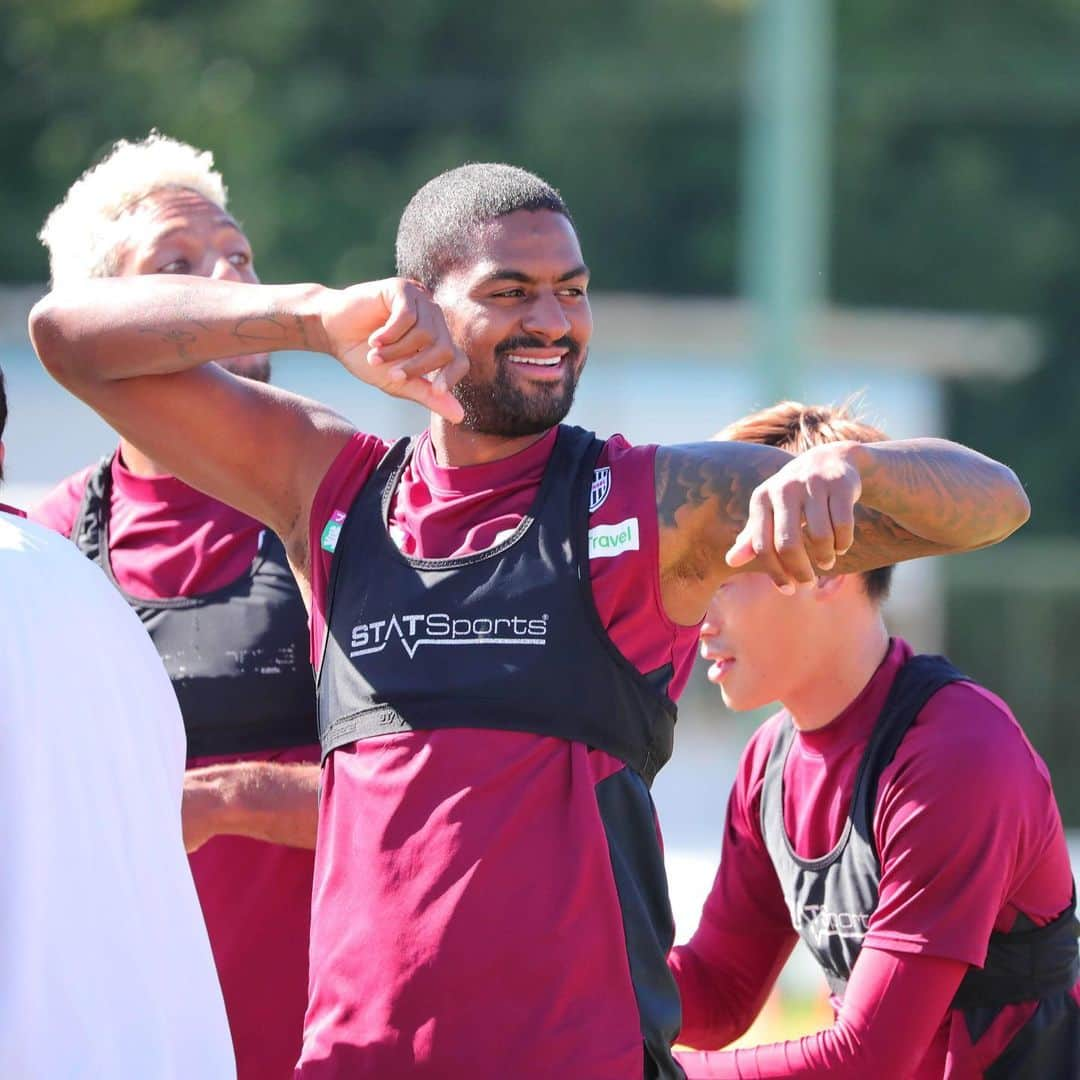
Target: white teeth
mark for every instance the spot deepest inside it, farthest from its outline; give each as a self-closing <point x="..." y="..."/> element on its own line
<point x="552" y="361"/>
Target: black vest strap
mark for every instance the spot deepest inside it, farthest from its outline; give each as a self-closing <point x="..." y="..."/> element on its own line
<point x="1025" y="964"/>
<point x="237" y="657"/>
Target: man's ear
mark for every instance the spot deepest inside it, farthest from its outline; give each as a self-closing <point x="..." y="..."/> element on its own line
<point x="830" y="586"/>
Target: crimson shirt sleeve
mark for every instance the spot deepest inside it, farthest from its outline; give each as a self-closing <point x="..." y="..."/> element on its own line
<point x="728" y="967"/>
<point x="964" y="813"/>
<point x="893" y="1006"/>
<point x="58" y="510"/>
<point x="347" y="474"/>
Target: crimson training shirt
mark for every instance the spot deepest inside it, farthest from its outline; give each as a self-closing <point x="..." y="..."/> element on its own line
<point x="167" y="540"/>
<point x="968" y="835"/>
<point x="438" y="850"/>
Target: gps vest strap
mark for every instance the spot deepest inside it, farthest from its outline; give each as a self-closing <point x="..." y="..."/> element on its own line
<point x="237" y="657"/>
<point x="832" y="898"/>
<point x="507" y="638"/>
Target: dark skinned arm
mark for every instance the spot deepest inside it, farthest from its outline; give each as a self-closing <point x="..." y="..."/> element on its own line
<point x="843" y="508"/>
<point x="136" y="350"/>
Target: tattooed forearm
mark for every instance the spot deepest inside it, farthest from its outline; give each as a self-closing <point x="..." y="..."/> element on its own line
<point x="183" y="341"/>
<point x="254" y="332"/>
<point x="702" y="498"/>
<point x="265" y="329"/>
<point x="941" y="493"/>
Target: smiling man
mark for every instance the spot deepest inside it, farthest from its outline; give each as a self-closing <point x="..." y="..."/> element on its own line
<point x="496" y="686"/>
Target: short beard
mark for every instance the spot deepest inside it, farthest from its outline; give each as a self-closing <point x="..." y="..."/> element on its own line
<point x="255" y="367"/>
<point x="500" y="408"/>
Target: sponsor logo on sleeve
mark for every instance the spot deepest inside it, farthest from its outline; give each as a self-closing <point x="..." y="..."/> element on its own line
<point x="607" y="541"/>
<point x="332" y="531"/>
<point x="600" y="488"/>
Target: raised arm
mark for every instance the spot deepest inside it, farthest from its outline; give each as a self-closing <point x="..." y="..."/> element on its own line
<point x="843" y="507"/>
<point x="136" y="350"/>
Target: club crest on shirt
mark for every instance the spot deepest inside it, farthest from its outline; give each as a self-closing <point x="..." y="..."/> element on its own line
<point x="601" y="487"/>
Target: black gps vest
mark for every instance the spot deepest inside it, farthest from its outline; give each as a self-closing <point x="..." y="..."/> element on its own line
<point x="509" y="639"/>
<point x="237" y="656"/>
<point x="831" y="899"/>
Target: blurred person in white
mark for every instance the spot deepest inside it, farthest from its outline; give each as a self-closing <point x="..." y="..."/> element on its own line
<point x="106" y="968"/>
<point x="895" y="817"/>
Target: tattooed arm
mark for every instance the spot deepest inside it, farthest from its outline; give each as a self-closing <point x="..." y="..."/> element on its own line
<point x="842" y="507"/>
<point x="136" y="350"/>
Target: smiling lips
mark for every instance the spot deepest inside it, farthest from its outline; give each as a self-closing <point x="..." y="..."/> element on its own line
<point x="539" y="359"/>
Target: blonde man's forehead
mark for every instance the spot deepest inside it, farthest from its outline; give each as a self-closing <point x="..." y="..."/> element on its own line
<point x="82" y="232"/>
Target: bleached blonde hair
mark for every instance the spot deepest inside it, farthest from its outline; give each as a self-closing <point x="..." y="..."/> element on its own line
<point x="84" y="232"/>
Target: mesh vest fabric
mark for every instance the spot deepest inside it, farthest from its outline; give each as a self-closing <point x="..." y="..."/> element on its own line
<point x="237" y="656"/>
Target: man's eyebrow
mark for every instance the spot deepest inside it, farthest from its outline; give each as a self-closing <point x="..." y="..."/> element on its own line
<point x="220" y="223"/>
<point x="581" y="270"/>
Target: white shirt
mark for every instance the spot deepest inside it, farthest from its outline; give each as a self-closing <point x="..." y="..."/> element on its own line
<point x="105" y="966"/>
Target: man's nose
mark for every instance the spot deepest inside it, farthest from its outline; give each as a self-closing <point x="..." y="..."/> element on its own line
<point x="546" y="318"/>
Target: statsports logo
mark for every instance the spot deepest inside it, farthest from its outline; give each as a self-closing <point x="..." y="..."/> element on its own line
<point x="442" y="628"/>
<point x="822" y="924"/>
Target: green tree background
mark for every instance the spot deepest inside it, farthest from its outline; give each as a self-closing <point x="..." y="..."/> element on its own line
<point x="956" y="165"/>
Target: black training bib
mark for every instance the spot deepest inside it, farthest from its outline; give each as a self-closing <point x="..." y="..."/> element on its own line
<point x="507" y="638"/>
<point x="237" y="657"/>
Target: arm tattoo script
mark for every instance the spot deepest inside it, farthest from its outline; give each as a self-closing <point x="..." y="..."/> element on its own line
<point x="260" y="332"/>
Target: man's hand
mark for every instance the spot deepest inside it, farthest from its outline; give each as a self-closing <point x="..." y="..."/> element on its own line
<point x="842" y="508"/>
<point x="802" y="518"/>
<point x="410" y="355"/>
<point x="201" y="810"/>
<point x="277" y="802"/>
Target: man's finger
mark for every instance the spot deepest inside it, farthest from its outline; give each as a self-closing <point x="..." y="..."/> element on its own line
<point x="787" y="533"/>
<point x="750" y="540"/>
<point x="435" y="398"/>
<point x="402" y="318"/>
<point x="453" y="373"/>
<point x="753" y="546"/>
<point x="842" y="515"/>
<point x="819" y="531"/>
<point x="428" y="360"/>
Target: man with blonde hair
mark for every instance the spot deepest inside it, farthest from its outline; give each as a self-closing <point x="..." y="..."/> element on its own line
<point x="215" y="591"/>
<point x="894" y="816"/>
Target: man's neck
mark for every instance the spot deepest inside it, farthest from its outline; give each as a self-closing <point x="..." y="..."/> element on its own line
<point x="135" y="461"/>
<point x="841" y="676"/>
<point x="456" y="446"/>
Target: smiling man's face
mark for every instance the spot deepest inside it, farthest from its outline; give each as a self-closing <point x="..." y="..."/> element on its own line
<point x="520" y="312"/>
